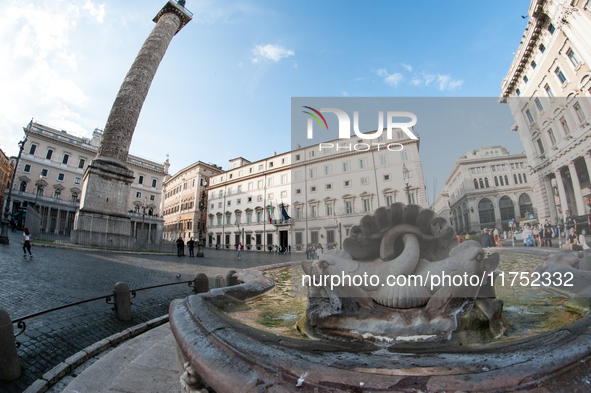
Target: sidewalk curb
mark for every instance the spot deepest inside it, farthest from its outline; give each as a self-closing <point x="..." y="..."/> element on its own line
<point x="100" y="249"/>
<point x="55" y="374"/>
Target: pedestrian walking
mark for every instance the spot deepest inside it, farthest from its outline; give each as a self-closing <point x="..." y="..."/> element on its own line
<point x="497" y="238"/>
<point x="27" y="244"/>
<point x="191" y="245"/>
<point x="528" y="236"/>
<point x="569" y="222"/>
<point x="238" y="246"/>
<point x="319" y="250"/>
<point x="486" y="240"/>
<point x="180" y="247"/>
<point x="548" y="233"/>
<point x="537" y="240"/>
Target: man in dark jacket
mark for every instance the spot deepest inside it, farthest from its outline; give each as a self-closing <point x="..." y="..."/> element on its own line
<point x="191" y="245"/>
<point x="486" y="240"/>
<point x="180" y="247"/>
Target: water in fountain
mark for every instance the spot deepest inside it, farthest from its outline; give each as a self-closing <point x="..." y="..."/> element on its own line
<point x="529" y="310"/>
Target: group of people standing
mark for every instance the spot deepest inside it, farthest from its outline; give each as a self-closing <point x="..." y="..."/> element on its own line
<point x="541" y="236"/>
<point x="180" y="247"/>
<point x="314" y="252"/>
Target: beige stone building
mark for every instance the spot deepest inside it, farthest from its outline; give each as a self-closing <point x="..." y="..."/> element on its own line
<point x="311" y="195"/>
<point x="487" y="188"/>
<point x="548" y="88"/>
<point x="441" y="205"/>
<point x="6" y="171"/>
<point x="50" y="173"/>
<point x="181" y="196"/>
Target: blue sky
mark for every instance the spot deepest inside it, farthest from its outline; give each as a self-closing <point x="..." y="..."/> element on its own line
<point x="225" y="85"/>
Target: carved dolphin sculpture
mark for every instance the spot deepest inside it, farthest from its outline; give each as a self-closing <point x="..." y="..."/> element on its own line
<point x="466" y="258"/>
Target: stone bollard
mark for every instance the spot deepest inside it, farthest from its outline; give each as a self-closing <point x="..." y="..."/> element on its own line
<point x="201" y="283"/>
<point x="218" y="281"/>
<point x="230" y="279"/>
<point x="122" y="301"/>
<point x="10" y="368"/>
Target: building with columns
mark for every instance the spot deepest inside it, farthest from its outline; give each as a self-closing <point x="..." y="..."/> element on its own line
<point x="311" y="195"/>
<point x="487" y="188"/>
<point x="548" y="88"/>
<point x="181" y="196"/>
<point x="49" y="177"/>
<point x="6" y="171"/>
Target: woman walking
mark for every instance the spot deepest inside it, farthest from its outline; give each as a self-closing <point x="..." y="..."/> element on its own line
<point x="27" y="245"/>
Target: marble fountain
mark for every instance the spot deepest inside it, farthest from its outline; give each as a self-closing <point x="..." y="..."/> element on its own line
<point x="399" y="324"/>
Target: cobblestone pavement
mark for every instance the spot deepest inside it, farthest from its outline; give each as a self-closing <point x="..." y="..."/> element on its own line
<point x="55" y="277"/>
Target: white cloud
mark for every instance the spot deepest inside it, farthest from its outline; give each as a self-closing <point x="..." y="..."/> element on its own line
<point x="391" y="79"/>
<point x="98" y="11"/>
<point x="408" y="67"/>
<point x="271" y="52"/>
<point x="344" y="94"/>
<point x="39" y="66"/>
<point x="444" y="82"/>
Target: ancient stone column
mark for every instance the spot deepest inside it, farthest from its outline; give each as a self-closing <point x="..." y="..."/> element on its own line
<point x="134" y="89"/>
<point x="102" y="219"/>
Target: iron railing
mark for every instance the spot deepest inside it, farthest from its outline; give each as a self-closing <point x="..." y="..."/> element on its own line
<point x="23" y="326"/>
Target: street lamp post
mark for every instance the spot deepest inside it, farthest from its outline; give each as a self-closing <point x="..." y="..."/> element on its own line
<point x="406" y="176"/>
<point x="4" y="235"/>
<point x="202" y="207"/>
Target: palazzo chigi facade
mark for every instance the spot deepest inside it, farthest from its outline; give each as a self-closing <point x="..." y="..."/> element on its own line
<point x="50" y="173"/>
<point x="487" y="188"/>
<point x="548" y="88"/>
<point x="310" y="195"/>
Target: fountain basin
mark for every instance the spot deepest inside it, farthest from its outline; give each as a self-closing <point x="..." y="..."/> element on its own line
<point x="228" y="356"/>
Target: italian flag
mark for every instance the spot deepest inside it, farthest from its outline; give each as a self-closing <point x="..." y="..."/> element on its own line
<point x="270" y="212"/>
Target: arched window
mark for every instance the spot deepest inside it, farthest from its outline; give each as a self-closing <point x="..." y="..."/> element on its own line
<point x="481" y="183"/>
<point x="515" y="178"/>
<point x="476" y="184"/>
<point x="136" y="209"/>
<point x="525" y="205"/>
<point x="23" y="186"/>
<point x="486" y="182"/>
<point x="74" y="197"/>
<point x="507" y="210"/>
<point x="57" y="194"/>
<point x="496" y="182"/>
<point x="486" y="213"/>
<point x="501" y="179"/>
<point x="40" y="190"/>
<point x="520" y="180"/>
<point x="506" y="180"/>
<point x="150" y="212"/>
<point x="524" y="178"/>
